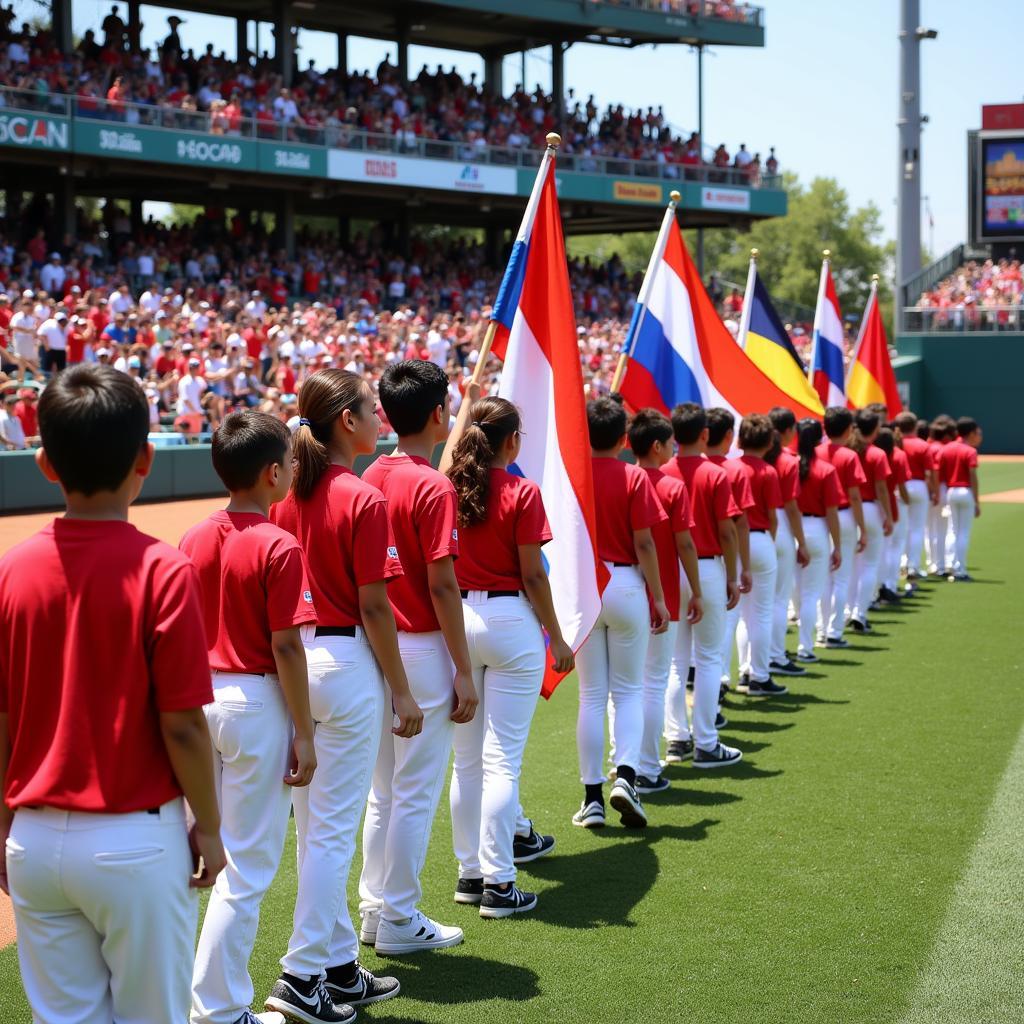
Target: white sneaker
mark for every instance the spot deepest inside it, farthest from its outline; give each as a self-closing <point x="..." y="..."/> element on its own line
<point x="416" y="934"/>
<point x="369" y="914"/>
<point x="589" y="815"/>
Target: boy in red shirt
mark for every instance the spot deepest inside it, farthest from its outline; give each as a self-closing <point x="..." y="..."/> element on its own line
<point x="896" y="542"/>
<point x="427" y="603"/>
<point x="958" y="473"/>
<point x="256" y="595"/>
<point x="102" y="731"/>
<point x="714" y="536"/>
<point x="611" y="661"/>
<point x="650" y="438"/>
<point x="920" y="487"/>
<point x="937" y="542"/>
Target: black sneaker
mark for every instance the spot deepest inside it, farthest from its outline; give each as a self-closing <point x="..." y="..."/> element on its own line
<point x="721" y="721"/>
<point x="504" y="904"/>
<point x="531" y="847"/>
<point x="721" y="757"/>
<point x="723" y="692"/>
<point x="313" y="1007"/>
<point x="786" y="668"/>
<point x="836" y="643"/>
<point x="859" y="627"/>
<point x="624" y="799"/>
<point x="807" y="657"/>
<point x="888" y="596"/>
<point x="361" y="989"/>
<point x="690" y="676"/>
<point x="469" y="890"/>
<point x="645" y="785"/>
<point x="679" y="751"/>
<point x="768" y="688"/>
<point x="744" y="684"/>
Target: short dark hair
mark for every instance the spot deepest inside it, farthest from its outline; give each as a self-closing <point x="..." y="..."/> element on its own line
<point x="838" y="419"/>
<point x="410" y="391"/>
<point x="606" y="420"/>
<point x="720" y="422"/>
<point x="965" y="426"/>
<point x="756" y="431"/>
<point x="94" y="422"/>
<point x="783" y="419"/>
<point x="867" y="421"/>
<point x="906" y="423"/>
<point x="924" y="430"/>
<point x="647" y="427"/>
<point x="245" y="444"/>
<point x="688" y="422"/>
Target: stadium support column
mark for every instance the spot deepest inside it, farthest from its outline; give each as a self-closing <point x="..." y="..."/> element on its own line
<point x="64" y="202"/>
<point x="493" y="62"/>
<point x="343" y="52"/>
<point x="285" y="226"/>
<point x="241" y="39"/>
<point x="134" y="25"/>
<point x="284" y="40"/>
<point x="60" y="13"/>
<point x="558" y="80"/>
<point x="403" y="51"/>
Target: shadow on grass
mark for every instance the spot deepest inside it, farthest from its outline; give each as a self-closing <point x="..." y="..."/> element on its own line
<point x="445" y="977"/>
<point x="846" y="662"/>
<point x="792" y="702"/>
<point x="746" y="725"/>
<point x="680" y="796"/>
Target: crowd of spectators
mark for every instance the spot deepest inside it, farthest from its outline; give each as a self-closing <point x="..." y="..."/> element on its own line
<point x="980" y="295"/>
<point x="113" y="78"/>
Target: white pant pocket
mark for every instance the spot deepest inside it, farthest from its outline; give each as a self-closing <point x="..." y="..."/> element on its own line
<point x="128" y="858"/>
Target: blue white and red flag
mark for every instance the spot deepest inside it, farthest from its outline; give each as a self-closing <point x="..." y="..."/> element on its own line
<point x="827" y="373"/>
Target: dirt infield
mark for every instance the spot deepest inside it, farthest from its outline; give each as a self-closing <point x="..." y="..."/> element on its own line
<point x="1015" y="497"/>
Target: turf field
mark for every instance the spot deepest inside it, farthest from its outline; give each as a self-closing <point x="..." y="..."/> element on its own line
<point x="862" y="864"/>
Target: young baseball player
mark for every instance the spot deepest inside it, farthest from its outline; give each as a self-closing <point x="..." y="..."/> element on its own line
<point x="790" y="545"/>
<point x="920" y="488"/>
<point x="877" y="512"/>
<point x="896" y="542"/>
<point x="721" y="434"/>
<point x="102" y="729"/>
<point x="837" y="451"/>
<point x="506" y="600"/>
<point x="958" y="473"/>
<point x="611" y="661"/>
<point x="754" y="631"/>
<point x="714" y="536"/>
<point x="256" y="595"/>
<point x="427" y="601"/>
<point x="650" y="438"/>
<point x="820" y="497"/>
<point x="342" y="526"/>
<point x="942" y="431"/>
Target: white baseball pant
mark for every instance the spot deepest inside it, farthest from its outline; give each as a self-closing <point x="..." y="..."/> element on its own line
<point x="754" y="631"/>
<point x="251" y="734"/>
<point x="895" y="546"/>
<point x="812" y="580"/>
<point x="407" y="781"/>
<point x="917" y="516"/>
<point x="704" y="643"/>
<point x="346" y="697"/>
<point x="867" y="563"/>
<point x="105" y="918"/>
<point x="961" y="519"/>
<point x="785" y="557"/>
<point x="610" y="664"/>
<point x="840" y="581"/>
<point x="506" y="647"/>
<point x="938" y="528"/>
<point x="732" y="621"/>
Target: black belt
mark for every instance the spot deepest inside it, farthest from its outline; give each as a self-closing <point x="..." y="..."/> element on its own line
<point x="623" y="565"/>
<point x="335" y="631"/>
<point x="759" y="529"/>
<point x="706" y="558"/>
<point x="495" y="593"/>
<point x="815" y="515"/>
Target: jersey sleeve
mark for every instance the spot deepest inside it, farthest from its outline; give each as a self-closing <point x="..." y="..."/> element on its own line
<point x="437" y="526"/>
<point x="531" y="521"/>
<point x="645" y="509"/>
<point x="831" y="491"/>
<point x="677" y="505"/>
<point x="742" y="492"/>
<point x="855" y="475"/>
<point x="972" y="458"/>
<point x="722" y="499"/>
<point x="374" y="554"/>
<point x="881" y="469"/>
<point x="289" y="597"/>
<point x="772" y="489"/>
<point x="789" y="479"/>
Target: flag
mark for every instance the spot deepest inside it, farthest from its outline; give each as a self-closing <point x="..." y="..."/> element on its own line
<point x="827" y="370"/>
<point x="680" y="351"/>
<point x="871" y="377"/>
<point x="536" y="338"/>
<point x="765" y="340"/>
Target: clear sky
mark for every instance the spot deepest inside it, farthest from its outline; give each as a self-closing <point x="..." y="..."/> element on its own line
<point x="823" y="90"/>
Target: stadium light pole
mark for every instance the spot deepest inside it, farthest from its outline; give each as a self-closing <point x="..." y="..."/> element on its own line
<point x="908" y="239"/>
<point x="700" y="134"/>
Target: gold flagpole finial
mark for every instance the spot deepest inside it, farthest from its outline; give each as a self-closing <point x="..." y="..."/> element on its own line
<point x="554" y="140"/>
<point x="675" y="195"/>
<point x="826" y="253"/>
<point x="754" y="253"/>
<point x="874" y="279"/>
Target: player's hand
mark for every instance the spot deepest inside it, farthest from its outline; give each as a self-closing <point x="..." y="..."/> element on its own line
<point x="862" y="542"/>
<point x="409" y="715"/>
<point x="562" y="656"/>
<point x="732" y="595"/>
<point x="302" y="762"/>
<point x="208" y="859"/>
<point x="977" y="509"/>
<point x="933" y="498"/>
<point x="746" y="581"/>
<point x="836" y="559"/>
<point x="660" y="618"/>
<point x="4" y="832"/>
<point x="695" y="610"/>
<point x="466" y="699"/>
<point x="802" y="558"/>
<point x="887" y="528"/>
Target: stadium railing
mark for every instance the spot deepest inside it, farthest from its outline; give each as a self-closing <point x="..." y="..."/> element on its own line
<point x="974" y="318"/>
<point x="346" y="137"/>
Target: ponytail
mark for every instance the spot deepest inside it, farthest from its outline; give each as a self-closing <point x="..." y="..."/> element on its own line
<point x="809" y="434"/>
<point x="492" y="422"/>
<point x="322" y="399"/>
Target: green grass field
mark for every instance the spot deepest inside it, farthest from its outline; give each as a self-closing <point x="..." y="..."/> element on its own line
<point x="862" y="864"/>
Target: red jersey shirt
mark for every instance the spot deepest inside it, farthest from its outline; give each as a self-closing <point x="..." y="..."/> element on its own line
<point x="625" y="501"/>
<point x="103" y="631"/>
<point x="787" y="466"/>
<point x="765" y="489"/>
<point x="956" y="460"/>
<point x="739" y="481"/>
<point x="710" y="499"/>
<point x="899" y="467"/>
<point x="918" y="456"/>
<point x="489" y="551"/>
<point x="345" y="534"/>
<point x="253" y="580"/>
<point x="422" y="508"/>
<point x="848" y="467"/>
<point x="29" y="416"/>
<point x="934" y="450"/>
<point x="876" y="467"/>
<point x="675" y="501"/>
<point x="820" y="490"/>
